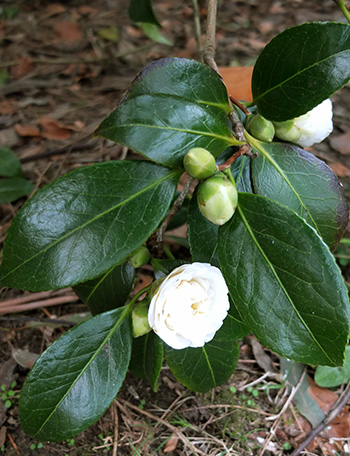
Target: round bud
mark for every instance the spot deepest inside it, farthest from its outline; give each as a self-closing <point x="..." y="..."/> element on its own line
<point x="217" y="198"/>
<point x="140" y="325"/>
<point x="199" y="163"/>
<point x="287" y="131"/>
<point x="260" y="128"/>
<point x="140" y="257"/>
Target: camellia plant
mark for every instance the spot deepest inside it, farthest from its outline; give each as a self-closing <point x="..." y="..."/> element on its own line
<point x="262" y="221"/>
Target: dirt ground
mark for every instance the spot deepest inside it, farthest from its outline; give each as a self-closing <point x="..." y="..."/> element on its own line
<point x="63" y="68"/>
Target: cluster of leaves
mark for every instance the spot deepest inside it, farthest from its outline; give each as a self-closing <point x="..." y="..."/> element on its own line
<point x="274" y="253"/>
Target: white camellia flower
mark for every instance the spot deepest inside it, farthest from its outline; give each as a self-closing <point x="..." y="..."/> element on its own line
<point x="308" y="129"/>
<point x="189" y="305"/>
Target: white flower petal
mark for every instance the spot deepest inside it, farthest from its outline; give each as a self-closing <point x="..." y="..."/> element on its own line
<point x="189" y="305"/>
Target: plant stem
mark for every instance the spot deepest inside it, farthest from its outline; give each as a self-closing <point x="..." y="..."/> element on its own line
<point x="156" y="240"/>
<point x="343" y="8"/>
<point x="209" y="49"/>
<point x="197" y="27"/>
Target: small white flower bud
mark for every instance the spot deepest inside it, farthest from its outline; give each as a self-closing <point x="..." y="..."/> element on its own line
<point x="217" y="199"/>
<point x="199" y="163"/>
<point x="308" y="129"/>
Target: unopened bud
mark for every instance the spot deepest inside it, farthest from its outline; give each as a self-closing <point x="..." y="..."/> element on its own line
<point x="140" y="325"/>
<point x="287" y="131"/>
<point x="260" y="128"/>
<point x="199" y="163"/>
<point x="217" y="199"/>
<point x="310" y="128"/>
<point x="140" y="257"/>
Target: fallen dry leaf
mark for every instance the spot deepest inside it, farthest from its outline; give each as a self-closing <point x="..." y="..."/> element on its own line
<point x="68" y="31"/>
<point x="55" y="8"/>
<point x="52" y="129"/>
<point x="171" y="444"/>
<point x="341" y="143"/>
<point x="27" y="130"/>
<point x="238" y="82"/>
<point x="340" y="169"/>
<point x="24" y="67"/>
<point x="8" y="107"/>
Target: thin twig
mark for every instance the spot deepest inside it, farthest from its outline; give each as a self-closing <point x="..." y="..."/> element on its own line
<point x="240" y="105"/>
<point x="333" y="413"/>
<point x="13" y="444"/>
<point x="33" y="297"/>
<point x="243" y="150"/>
<point x="116" y="428"/>
<point x="209" y="49"/>
<point x="197" y="27"/>
<point x="37" y="304"/>
<point x="156" y="240"/>
<point x="44" y="321"/>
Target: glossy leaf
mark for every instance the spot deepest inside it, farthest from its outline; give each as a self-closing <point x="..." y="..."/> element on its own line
<point x="85" y="222"/>
<point x="329" y="377"/>
<point x="147" y="358"/>
<point x="284" y="282"/>
<point x="10" y="166"/>
<point x="109" y="291"/>
<point x="299" y="180"/>
<point x="202" y="235"/>
<point x="13" y="188"/>
<point x="75" y="380"/>
<point x="300" y="68"/>
<point x="173" y="105"/>
<point x="142" y="11"/>
<point x="201" y="369"/>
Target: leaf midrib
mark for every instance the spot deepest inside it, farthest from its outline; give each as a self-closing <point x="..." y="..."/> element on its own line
<point x="100" y="347"/>
<point x="268" y="157"/>
<point x="102" y="214"/>
<point x="297" y="74"/>
<point x="274" y="272"/>
<point x="228" y="139"/>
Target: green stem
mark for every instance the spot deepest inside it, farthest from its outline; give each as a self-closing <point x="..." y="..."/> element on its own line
<point x="168" y="253"/>
<point x="343" y="9"/>
<point x="228" y="173"/>
<point x="345" y="241"/>
<point x="136" y="297"/>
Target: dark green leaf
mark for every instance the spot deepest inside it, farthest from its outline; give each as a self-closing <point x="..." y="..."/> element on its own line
<point x="202" y="235"/>
<point x="300" y="68"/>
<point x="13" y="188"/>
<point x="109" y="291"/>
<point x="329" y="377"/>
<point x="85" y="222"/>
<point x="147" y="358"/>
<point x="172" y="106"/>
<point x="10" y="166"/>
<point x="241" y="173"/>
<point x="304" y="183"/>
<point x="201" y="369"/>
<point x="164" y="267"/>
<point x="142" y="11"/>
<point x="75" y="380"/>
<point x="284" y="282"/>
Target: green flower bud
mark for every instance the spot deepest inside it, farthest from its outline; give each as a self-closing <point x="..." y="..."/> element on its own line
<point x="140" y="325"/>
<point x="199" y="163"/>
<point x="217" y="199"/>
<point x="260" y="128"/>
<point x="140" y="257"/>
<point x="287" y="131"/>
